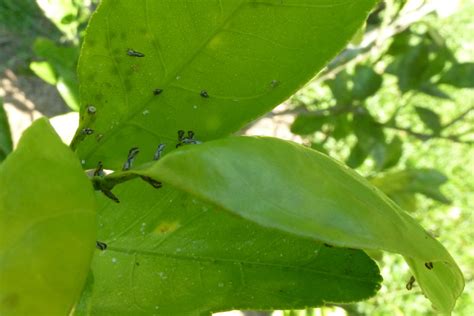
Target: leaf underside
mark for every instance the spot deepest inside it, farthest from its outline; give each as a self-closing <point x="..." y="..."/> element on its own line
<point x="169" y="254"/>
<point x="303" y="192"/>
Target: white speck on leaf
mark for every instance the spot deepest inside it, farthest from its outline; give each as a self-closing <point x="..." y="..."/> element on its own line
<point x="114" y="260"/>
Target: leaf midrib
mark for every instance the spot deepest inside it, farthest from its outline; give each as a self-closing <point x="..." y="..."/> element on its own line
<point x="234" y="261"/>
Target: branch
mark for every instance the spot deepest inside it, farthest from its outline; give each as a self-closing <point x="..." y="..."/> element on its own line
<point x="373" y="41"/>
<point x="458" y="118"/>
<point x="425" y="137"/>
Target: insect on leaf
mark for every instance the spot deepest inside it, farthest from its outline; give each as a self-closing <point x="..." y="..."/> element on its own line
<point x="294" y="189"/>
<point x="218" y="64"/>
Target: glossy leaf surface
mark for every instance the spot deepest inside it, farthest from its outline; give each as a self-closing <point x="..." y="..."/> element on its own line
<point x="169" y="254"/>
<point x="152" y="68"/>
<point x="285" y="186"/>
<point x="47" y="226"/>
<point x="58" y="68"/>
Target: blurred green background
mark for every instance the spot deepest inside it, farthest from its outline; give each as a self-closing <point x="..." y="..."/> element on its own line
<point x="396" y="105"/>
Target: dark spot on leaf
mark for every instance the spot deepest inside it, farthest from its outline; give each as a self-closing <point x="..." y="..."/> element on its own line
<point x="410" y="283"/>
<point x="152" y="182"/>
<point x="429" y="265"/>
<point x="134" y="53"/>
<point x="274" y="83"/>
<point x="101" y="245"/>
<point x="157" y="91"/>
<point x="204" y="94"/>
<point x="113" y="70"/>
<point x="10" y="300"/>
<point x="128" y="84"/>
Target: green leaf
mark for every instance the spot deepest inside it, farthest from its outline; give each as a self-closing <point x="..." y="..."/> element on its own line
<point x="308" y="124"/>
<point x="411" y="67"/>
<point x="370" y="139"/>
<point x="411" y="181"/>
<point x="366" y="82"/>
<point x="400" y="43"/>
<point x="393" y="153"/>
<point x="340" y="88"/>
<point x="289" y="187"/>
<point x="434" y="91"/>
<point x="58" y="68"/>
<point x="427" y="182"/>
<point x="248" y="56"/>
<point x="6" y="144"/>
<point x="357" y="156"/>
<point x="45" y="71"/>
<point x="47" y="226"/>
<point x="429" y="118"/>
<point x="367" y="130"/>
<point x="342" y="127"/>
<point x="169" y="254"/>
<point x="58" y="12"/>
<point x="460" y="75"/>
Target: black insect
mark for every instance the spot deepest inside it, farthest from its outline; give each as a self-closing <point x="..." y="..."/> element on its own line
<point x="99" y="170"/>
<point x="152" y="182"/>
<point x="328" y="245"/>
<point x="429" y="265"/>
<point x="100" y="245"/>
<point x="87" y="131"/>
<point x="204" y="94"/>
<point x="157" y="91"/>
<point x="410" y="283"/>
<point x="134" y="53"/>
<point x="159" y="151"/>
<point x="132" y="153"/>
<point x="186" y="140"/>
<point x="110" y="195"/>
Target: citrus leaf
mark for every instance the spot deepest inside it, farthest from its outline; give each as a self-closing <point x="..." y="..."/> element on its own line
<point x="152" y="68"/>
<point x="170" y="254"/>
<point x="289" y="187"/>
<point x="430" y="118"/>
<point x="308" y="124"/>
<point x="460" y="75"/>
<point x="366" y="82"/>
<point x="47" y="226"/>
